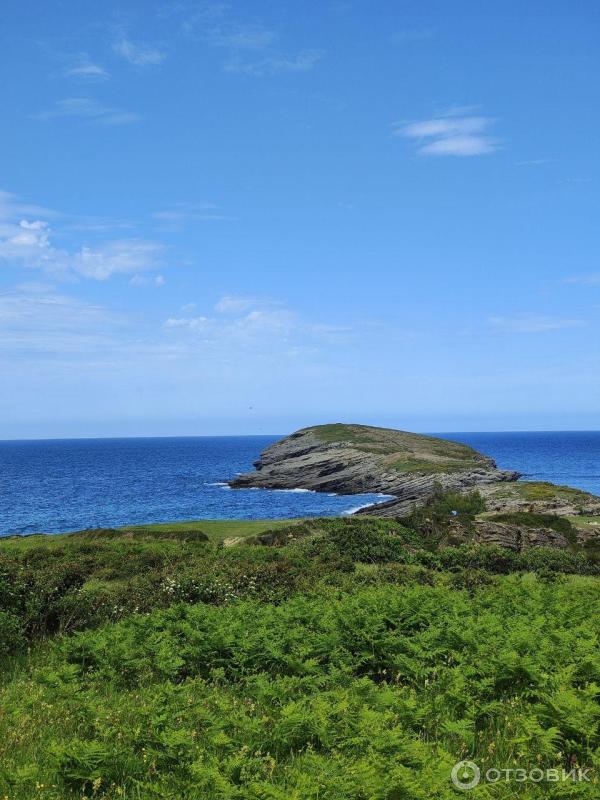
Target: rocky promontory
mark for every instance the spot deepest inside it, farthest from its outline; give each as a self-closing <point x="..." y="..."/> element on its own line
<point x="354" y="459"/>
<point x="410" y="467"/>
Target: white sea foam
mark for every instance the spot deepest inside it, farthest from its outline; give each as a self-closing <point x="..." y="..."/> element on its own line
<point x="351" y="511"/>
<point x="217" y="483"/>
<point x="296" y="491"/>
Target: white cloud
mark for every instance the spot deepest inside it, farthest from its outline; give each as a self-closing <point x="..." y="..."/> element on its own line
<point x="262" y="328"/>
<point x="88" y="108"/>
<point x="145" y="280"/>
<point x="189" y="323"/>
<point x="28" y="243"/>
<point x="531" y="323"/>
<point x="140" y="54"/>
<point x="302" y="62"/>
<point x="455" y="133"/>
<point x="534" y="162"/>
<point x="174" y="218"/>
<point x="233" y="304"/>
<point x="86" y="70"/>
<point x="112" y="258"/>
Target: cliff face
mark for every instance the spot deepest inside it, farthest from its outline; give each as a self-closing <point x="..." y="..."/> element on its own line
<point x="351" y="459"/>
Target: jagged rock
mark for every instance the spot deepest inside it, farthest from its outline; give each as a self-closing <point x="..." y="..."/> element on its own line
<point x="517" y="537"/>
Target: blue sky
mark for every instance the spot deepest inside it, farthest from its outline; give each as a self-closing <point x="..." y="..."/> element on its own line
<point x="248" y="217"/>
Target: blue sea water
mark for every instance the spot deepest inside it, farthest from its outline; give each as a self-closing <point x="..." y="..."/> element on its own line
<point x="63" y="485"/>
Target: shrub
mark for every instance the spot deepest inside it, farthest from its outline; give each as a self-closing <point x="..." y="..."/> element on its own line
<point x="11" y="633"/>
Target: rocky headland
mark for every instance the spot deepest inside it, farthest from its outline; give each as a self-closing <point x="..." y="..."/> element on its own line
<point x="353" y="459"/>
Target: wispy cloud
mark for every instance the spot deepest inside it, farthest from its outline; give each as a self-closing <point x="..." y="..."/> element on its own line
<point x="84" y="69"/>
<point x="90" y="109"/>
<point x="239" y="37"/>
<point x="29" y="243"/>
<point x="245" y="322"/>
<point x="140" y="54"/>
<point x="454" y="133"/>
<point x="303" y="61"/>
<point x="531" y="323"/>
<point x="589" y="279"/>
<point x="534" y="162"/>
<point x="235" y="304"/>
<point x="147" y="280"/>
<point x="179" y="214"/>
<point x="12" y="207"/>
<point x="252" y="48"/>
<point x="40" y="319"/>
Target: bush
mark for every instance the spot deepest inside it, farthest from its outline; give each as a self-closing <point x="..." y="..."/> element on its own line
<point x="11" y="633"/>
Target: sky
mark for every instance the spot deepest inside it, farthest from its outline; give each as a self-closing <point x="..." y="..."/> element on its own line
<point x="247" y="217"/>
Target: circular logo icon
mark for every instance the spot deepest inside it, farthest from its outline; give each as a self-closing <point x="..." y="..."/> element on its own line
<point x="465" y="775"/>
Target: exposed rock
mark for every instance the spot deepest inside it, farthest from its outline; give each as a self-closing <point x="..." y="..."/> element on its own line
<point x="517" y="537"/>
<point x="354" y="459"/>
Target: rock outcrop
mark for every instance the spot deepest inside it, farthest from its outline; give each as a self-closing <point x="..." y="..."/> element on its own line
<point x="353" y="459"/>
<point x="509" y="536"/>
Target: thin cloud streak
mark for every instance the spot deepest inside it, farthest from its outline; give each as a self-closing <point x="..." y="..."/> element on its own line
<point x="531" y="323"/>
<point x="90" y="109"/>
<point x="140" y="54"/>
<point x="452" y="134"/>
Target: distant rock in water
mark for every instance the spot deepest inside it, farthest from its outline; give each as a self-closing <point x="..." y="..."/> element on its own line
<point x="354" y="459"/>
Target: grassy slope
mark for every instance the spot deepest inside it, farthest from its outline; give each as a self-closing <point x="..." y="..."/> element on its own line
<point x="400" y="450"/>
<point x="216" y="529"/>
<point x="219" y="529"/>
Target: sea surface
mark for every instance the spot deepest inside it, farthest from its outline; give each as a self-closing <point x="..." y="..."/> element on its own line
<point x="64" y="485"/>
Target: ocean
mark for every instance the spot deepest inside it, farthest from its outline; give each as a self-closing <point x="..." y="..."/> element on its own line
<point x="69" y="484"/>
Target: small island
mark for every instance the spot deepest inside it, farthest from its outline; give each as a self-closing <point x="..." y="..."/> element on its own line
<point x="415" y="470"/>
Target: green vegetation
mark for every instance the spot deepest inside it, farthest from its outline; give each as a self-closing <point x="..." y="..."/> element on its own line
<point x="403" y="451"/>
<point x="348" y="659"/>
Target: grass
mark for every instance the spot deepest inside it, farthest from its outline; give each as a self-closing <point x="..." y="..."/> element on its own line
<point x="218" y="530"/>
<point x="402" y="451"/>
<point x="542" y="490"/>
